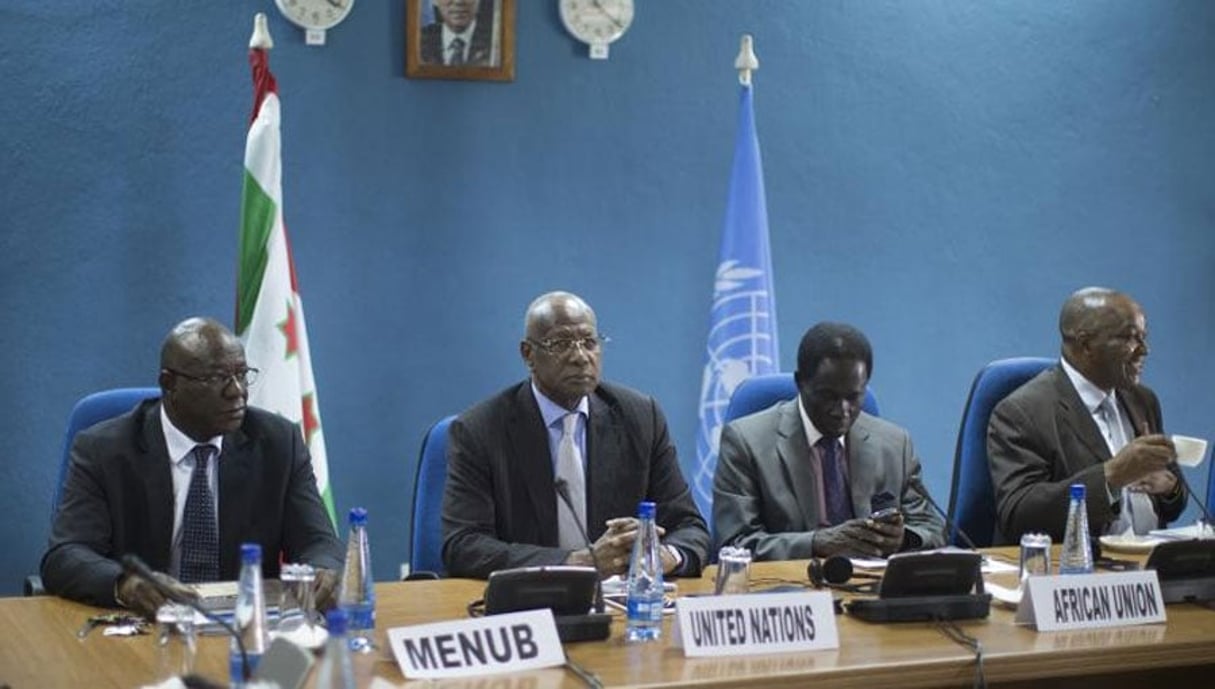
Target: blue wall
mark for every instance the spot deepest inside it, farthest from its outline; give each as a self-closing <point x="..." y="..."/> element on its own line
<point x="941" y="174"/>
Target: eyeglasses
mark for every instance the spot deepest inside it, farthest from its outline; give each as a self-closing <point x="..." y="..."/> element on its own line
<point x="565" y="345"/>
<point x="244" y="376"/>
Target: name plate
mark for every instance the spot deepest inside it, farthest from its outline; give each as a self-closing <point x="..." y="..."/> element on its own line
<point x="1090" y="601"/>
<point x="481" y="646"/>
<point x="753" y="623"/>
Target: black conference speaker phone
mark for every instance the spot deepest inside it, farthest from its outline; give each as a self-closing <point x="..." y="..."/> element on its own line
<point x="570" y="592"/>
<point x="932" y="585"/>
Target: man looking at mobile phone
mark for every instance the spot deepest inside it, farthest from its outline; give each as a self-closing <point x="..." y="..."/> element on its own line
<point x="816" y="476"/>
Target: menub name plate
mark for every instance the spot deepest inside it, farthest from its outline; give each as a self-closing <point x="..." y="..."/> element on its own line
<point x="480" y="646"/>
<point x="1090" y="601"/>
<point x="753" y="623"/>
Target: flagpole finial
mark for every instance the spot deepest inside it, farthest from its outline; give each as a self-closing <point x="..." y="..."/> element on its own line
<point x="261" y="33"/>
<point x="746" y="60"/>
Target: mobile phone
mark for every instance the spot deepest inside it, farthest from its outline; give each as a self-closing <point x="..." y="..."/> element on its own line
<point x="887" y="515"/>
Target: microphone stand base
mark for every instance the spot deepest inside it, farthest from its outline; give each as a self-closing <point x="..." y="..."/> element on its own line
<point x="595" y="626"/>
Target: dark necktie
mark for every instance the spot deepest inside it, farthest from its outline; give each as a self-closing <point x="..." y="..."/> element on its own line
<point x="835" y="485"/>
<point x="455" y="51"/>
<point x="199" y="537"/>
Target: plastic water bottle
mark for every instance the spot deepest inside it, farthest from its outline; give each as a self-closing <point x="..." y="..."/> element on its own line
<point x="250" y="615"/>
<point x="357" y="594"/>
<point x="645" y="581"/>
<point x="1076" y="556"/>
<point x="337" y="670"/>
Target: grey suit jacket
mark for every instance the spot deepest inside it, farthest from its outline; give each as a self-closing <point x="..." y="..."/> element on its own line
<point x="118" y="499"/>
<point x="765" y="493"/>
<point x="499" y="502"/>
<point x="1041" y="439"/>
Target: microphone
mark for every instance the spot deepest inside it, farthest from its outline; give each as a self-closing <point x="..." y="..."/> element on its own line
<point x="1206" y="516"/>
<point x="918" y="486"/>
<point x="563" y="491"/>
<point x="133" y="565"/>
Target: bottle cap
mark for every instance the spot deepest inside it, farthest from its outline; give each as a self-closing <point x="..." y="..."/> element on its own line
<point x="1077" y="491"/>
<point x="251" y="553"/>
<point x="337" y="621"/>
<point x="358" y="516"/>
<point x="646" y="510"/>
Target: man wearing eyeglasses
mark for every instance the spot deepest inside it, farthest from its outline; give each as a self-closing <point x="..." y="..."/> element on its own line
<point x="183" y="480"/>
<point x="564" y="429"/>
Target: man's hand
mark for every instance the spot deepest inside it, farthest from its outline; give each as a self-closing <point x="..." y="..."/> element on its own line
<point x="1141" y="457"/>
<point x="1162" y="482"/>
<point x="325" y="589"/>
<point x="859" y="537"/>
<point x="141" y="596"/>
<point x="614" y="548"/>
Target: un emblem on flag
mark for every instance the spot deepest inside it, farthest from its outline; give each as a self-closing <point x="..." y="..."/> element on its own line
<point x="741" y="343"/>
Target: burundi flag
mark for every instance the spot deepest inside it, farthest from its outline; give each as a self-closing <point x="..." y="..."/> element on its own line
<point x="269" y="312"/>
<point x="742" y="324"/>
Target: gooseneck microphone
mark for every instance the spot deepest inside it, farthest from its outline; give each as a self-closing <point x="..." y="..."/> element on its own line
<point x="1206" y="516"/>
<point x="918" y="486"/>
<point x="133" y="565"/>
<point x="563" y="491"/>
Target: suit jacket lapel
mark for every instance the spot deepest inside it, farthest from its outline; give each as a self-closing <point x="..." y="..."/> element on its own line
<point x="157" y="476"/>
<point x="528" y="440"/>
<point x="1072" y="414"/>
<point x="794" y="453"/>
<point x="1140" y="424"/>
<point x="604" y="445"/>
<point x="863" y="470"/>
<point x="235" y="499"/>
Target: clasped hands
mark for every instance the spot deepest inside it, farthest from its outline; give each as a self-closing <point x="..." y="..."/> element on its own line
<point x="1142" y="466"/>
<point x="141" y="596"/>
<point x="614" y="549"/>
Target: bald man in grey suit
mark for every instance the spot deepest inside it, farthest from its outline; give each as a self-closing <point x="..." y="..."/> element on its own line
<point x="774" y="491"/>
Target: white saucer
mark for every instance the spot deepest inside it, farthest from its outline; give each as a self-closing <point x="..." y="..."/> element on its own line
<point x="1123" y="543"/>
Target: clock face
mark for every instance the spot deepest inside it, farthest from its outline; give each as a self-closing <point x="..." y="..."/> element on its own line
<point x="315" y="14"/>
<point x="597" y="22"/>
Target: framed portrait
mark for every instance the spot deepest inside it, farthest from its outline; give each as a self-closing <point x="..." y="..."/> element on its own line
<point x="460" y="39"/>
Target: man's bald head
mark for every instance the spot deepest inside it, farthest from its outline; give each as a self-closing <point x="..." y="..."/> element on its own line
<point x="202" y="378"/>
<point x="1104" y="336"/>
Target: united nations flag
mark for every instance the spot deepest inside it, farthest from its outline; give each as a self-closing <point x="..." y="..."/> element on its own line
<point x="742" y="332"/>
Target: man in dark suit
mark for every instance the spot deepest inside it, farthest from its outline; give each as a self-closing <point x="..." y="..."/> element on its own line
<point x="1087" y="420"/>
<point x="800" y="478"/>
<point x="507" y="454"/>
<point x="462" y="35"/>
<point x="146" y="483"/>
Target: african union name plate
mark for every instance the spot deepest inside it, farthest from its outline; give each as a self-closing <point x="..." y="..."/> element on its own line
<point x="1089" y="601"/>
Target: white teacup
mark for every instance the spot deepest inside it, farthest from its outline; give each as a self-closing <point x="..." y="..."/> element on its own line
<point x="1190" y="451"/>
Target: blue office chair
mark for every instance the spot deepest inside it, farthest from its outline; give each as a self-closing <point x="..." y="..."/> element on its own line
<point x="1211" y="485"/>
<point x="972" y="499"/>
<point x="426" y="532"/>
<point x="90" y="410"/>
<point x="760" y="392"/>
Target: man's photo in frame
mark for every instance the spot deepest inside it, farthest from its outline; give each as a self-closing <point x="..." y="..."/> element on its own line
<point x="461" y="33"/>
<point x="460" y="39"/>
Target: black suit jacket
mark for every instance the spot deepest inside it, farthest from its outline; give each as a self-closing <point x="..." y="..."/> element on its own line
<point x="480" y="53"/>
<point x="118" y="499"/>
<point x="499" y="503"/>
<point x="1041" y="439"/>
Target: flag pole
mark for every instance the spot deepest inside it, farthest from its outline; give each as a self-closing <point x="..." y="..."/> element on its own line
<point x="746" y="61"/>
<point x="261" y="33"/>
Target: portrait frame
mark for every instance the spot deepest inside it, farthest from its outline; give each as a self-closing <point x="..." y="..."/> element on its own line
<point x="490" y="56"/>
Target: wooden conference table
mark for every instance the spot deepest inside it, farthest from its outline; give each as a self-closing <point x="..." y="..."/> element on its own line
<point x="39" y="649"/>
